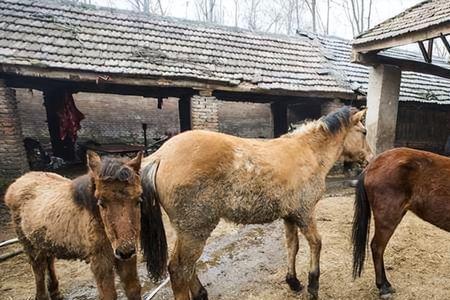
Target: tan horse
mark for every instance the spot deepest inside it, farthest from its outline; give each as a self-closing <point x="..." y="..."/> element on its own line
<point x="95" y="218"/>
<point x="200" y="177"/>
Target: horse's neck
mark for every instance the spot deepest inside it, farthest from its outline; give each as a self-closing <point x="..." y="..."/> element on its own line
<point x="326" y="147"/>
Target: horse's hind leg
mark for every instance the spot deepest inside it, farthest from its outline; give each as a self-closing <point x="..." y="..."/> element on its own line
<point x="127" y="271"/>
<point x="197" y="288"/>
<point x="188" y="250"/>
<point x="52" y="281"/>
<point x="315" y="245"/>
<point x="38" y="264"/>
<point x="291" y="233"/>
<point x="386" y="221"/>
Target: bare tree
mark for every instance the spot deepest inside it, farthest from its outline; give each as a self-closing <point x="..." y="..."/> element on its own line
<point x="252" y="14"/>
<point x="358" y="12"/>
<point x="149" y="6"/>
<point x="210" y="10"/>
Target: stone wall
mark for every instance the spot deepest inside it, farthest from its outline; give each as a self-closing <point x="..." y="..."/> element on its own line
<point x="13" y="160"/>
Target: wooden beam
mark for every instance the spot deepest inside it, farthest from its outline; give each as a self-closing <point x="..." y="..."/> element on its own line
<point x="425" y="55"/>
<point x="17" y="81"/>
<point x="267" y="98"/>
<point x="430" y="49"/>
<point x="445" y="42"/>
<point x="400" y="40"/>
<point x="77" y="78"/>
<point x="372" y="59"/>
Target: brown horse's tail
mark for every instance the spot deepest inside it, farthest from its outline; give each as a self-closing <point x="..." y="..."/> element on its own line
<point x="153" y="235"/>
<point x="361" y="222"/>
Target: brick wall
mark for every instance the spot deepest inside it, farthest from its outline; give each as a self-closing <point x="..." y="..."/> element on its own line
<point x="115" y="118"/>
<point x="109" y="118"/>
<point x="12" y="153"/>
<point x="245" y="119"/>
<point x="204" y="110"/>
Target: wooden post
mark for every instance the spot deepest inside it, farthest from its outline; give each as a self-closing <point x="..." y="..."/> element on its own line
<point x="184" y="113"/>
<point x="279" y="117"/>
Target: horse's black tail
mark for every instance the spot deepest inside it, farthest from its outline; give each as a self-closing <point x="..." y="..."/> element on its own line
<point x="361" y="226"/>
<point x="153" y="235"/>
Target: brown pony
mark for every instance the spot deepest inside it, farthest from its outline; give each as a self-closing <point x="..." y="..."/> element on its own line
<point x="396" y="181"/>
<point x="200" y="177"/>
<point x="95" y="218"/>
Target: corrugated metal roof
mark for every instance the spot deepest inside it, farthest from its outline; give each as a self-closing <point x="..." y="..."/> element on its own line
<point x="414" y="86"/>
<point x="421" y="16"/>
<point x="108" y="41"/>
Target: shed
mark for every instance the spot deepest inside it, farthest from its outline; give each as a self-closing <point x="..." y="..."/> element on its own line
<point x="421" y="24"/>
<point x="61" y="48"/>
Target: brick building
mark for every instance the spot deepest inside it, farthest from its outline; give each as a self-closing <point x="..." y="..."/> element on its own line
<point x="120" y="67"/>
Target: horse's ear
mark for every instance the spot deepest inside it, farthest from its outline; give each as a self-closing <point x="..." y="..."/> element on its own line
<point x="135" y="163"/>
<point x="358" y="116"/>
<point x="94" y="162"/>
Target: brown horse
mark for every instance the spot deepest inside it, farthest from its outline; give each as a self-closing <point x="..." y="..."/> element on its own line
<point x="95" y="218"/>
<point x="396" y="181"/>
<point x="200" y="177"/>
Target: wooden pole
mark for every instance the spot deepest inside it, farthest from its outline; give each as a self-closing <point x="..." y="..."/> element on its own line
<point x="9" y="242"/>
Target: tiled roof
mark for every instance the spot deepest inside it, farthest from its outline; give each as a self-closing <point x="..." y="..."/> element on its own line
<point x="414" y="86"/>
<point x="421" y="16"/>
<point x="64" y="36"/>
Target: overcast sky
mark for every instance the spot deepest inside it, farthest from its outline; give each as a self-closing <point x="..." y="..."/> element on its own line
<point x="382" y="10"/>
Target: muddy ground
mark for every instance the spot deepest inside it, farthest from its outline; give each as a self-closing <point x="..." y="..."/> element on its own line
<point x="248" y="262"/>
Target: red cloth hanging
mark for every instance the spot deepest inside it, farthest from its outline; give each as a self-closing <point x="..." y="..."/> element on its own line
<point x="69" y="118"/>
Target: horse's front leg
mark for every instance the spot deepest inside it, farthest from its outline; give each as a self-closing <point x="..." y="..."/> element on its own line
<point x="291" y="233"/>
<point x="103" y="269"/>
<point x="127" y="271"/>
<point x="315" y="244"/>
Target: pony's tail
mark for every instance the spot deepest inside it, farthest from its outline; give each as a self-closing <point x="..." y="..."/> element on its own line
<point x="153" y="235"/>
<point x="361" y="222"/>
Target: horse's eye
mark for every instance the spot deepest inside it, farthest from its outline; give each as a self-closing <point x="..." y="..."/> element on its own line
<point x="100" y="203"/>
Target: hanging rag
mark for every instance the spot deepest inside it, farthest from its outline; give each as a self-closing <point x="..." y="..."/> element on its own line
<point x="69" y="118"/>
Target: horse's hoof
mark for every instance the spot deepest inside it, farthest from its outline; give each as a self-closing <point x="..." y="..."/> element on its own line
<point x="202" y="295"/>
<point x="386" y="296"/>
<point x="386" y="292"/>
<point x="56" y="296"/>
<point x="294" y="283"/>
<point x="313" y="294"/>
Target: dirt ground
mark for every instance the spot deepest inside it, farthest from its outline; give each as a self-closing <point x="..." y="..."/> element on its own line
<point x="248" y="262"/>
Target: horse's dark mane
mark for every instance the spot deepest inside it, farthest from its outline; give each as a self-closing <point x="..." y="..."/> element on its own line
<point x="83" y="193"/>
<point x="115" y="169"/>
<point x="335" y="121"/>
<point x="112" y="169"/>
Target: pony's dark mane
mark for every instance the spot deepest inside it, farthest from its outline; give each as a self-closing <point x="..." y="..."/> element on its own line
<point x="338" y="119"/>
<point x="116" y="169"/>
<point x="112" y="169"/>
<point x="83" y="193"/>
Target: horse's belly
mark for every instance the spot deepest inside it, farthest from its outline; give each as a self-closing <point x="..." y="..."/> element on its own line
<point x="252" y="210"/>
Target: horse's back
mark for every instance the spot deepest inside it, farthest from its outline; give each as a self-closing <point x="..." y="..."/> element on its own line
<point x="404" y="163"/>
<point x="416" y="180"/>
<point x="30" y="185"/>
